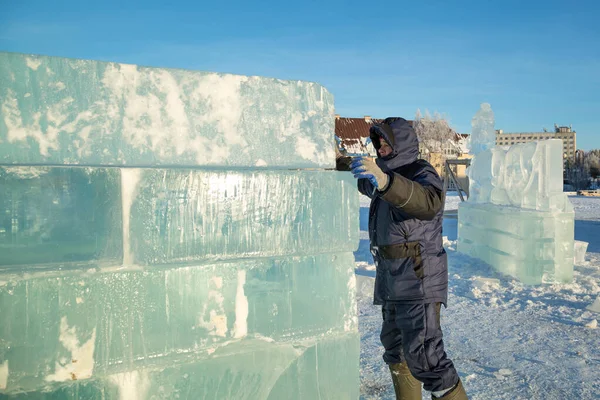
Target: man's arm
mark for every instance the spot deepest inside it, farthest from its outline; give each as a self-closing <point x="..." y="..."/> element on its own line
<point x="421" y="197"/>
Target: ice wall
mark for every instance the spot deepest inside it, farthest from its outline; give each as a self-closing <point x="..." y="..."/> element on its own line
<point x="517" y="217"/>
<point x="134" y="265"/>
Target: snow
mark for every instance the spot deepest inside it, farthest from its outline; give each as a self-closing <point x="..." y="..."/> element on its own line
<point x="507" y="340"/>
<point x="452" y="201"/>
<point x="81" y="364"/>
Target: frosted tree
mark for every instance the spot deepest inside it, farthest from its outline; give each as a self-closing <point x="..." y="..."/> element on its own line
<point x="592" y="163"/>
<point x="436" y="137"/>
<point x="592" y="167"/>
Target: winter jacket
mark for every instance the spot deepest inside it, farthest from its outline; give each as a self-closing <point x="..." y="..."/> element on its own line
<point x="405" y="221"/>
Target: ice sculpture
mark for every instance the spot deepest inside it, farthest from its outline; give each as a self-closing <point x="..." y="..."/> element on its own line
<point x="517" y="218"/>
<point x="483" y="134"/>
<point x="135" y="267"/>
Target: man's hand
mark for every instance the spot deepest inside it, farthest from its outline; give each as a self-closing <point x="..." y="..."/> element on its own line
<point x="365" y="167"/>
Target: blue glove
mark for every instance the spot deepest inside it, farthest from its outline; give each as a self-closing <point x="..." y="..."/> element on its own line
<point x="366" y="168"/>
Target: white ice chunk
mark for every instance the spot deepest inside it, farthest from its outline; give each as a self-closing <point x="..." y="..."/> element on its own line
<point x="579" y="252"/>
<point x="595" y="306"/>
<point x="592" y="325"/>
<point x="3" y="374"/>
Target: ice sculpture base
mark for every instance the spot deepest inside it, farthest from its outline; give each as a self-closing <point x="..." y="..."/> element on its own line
<point x="532" y="246"/>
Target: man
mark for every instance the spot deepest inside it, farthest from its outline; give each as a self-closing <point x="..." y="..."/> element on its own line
<point x="405" y="230"/>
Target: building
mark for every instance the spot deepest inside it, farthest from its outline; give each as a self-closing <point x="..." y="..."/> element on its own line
<point x="565" y="133"/>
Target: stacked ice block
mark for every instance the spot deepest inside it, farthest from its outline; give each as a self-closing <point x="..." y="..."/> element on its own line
<point x="172" y="234"/>
<point x="517" y="218"/>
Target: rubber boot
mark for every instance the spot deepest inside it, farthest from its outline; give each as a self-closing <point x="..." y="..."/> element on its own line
<point x="406" y="386"/>
<point x="458" y="393"/>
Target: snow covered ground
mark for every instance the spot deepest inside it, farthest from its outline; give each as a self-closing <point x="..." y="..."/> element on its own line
<point x="507" y="340"/>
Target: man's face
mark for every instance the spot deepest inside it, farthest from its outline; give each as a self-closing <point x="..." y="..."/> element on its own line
<point x="384" y="148"/>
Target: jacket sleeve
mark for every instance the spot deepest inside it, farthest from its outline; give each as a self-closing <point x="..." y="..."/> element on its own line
<point x="366" y="187"/>
<point x="420" y="197"/>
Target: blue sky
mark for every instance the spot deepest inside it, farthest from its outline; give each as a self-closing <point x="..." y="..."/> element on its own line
<point x="537" y="63"/>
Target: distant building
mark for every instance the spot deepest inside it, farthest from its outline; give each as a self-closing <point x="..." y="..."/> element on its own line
<point x="565" y="133"/>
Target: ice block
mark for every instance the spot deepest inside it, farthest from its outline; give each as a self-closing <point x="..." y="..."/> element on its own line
<point x="317" y="368"/>
<point x="529" y="245"/>
<point x="68" y="111"/>
<point x="60" y="216"/>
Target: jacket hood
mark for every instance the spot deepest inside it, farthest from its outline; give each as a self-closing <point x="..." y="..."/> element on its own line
<point x="401" y="137"/>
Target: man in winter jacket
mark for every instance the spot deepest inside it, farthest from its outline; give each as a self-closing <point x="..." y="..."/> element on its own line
<point x="405" y="230"/>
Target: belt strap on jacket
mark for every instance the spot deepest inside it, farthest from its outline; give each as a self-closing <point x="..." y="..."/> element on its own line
<point x="395" y="251"/>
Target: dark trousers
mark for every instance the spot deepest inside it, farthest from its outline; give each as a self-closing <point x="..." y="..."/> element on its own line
<point x="412" y="333"/>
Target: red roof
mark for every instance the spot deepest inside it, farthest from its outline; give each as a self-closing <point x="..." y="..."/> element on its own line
<point x="354" y="128"/>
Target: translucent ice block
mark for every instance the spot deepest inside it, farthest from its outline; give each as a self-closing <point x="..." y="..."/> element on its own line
<point x="70" y="216"/>
<point x="60" y="216"/>
<point x="61" y="326"/>
<point x="66" y="111"/>
<point x="324" y="367"/>
<point x="530" y="245"/>
<point x="196" y="215"/>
